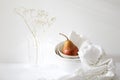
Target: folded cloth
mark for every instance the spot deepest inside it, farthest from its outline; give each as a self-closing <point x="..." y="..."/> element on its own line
<point x="94" y="62"/>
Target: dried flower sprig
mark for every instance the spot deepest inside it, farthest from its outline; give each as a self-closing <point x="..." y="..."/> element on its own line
<point x="35" y="18"/>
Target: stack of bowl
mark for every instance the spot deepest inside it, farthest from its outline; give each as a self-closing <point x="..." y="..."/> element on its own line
<point x="66" y="62"/>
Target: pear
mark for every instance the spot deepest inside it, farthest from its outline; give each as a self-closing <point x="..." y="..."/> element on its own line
<point x="68" y="47"/>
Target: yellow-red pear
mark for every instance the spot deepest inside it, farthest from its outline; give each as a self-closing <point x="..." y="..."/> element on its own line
<point x="68" y="47"/>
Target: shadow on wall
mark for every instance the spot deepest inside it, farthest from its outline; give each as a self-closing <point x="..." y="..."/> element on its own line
<point x="116" y="58"/>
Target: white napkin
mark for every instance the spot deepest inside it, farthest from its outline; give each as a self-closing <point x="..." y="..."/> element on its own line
<point x="94" y="62"/>
<point x="77" y="39"/>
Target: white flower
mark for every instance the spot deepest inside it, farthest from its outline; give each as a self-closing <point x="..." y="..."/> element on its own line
<point x="36" y="17"/>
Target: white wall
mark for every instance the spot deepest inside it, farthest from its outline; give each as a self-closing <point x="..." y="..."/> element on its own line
<point x="99" y="20"/>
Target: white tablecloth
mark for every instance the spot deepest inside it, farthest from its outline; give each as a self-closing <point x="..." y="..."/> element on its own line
<point x="34" y="72"/>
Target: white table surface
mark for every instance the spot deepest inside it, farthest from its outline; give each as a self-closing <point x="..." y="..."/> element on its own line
<point x="29" y="72"/>
<point x="34" y="72"/>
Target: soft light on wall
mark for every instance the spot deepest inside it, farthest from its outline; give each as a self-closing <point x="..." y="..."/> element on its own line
<point x="97" y="20"/>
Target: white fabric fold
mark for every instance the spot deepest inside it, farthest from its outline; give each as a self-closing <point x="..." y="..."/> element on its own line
<point x="95" y="62"/>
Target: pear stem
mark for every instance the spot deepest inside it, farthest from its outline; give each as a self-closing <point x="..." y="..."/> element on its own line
<point x="64" y="36"/>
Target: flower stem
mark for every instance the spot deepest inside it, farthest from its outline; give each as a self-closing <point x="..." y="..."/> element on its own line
<point x="35" y="39"/>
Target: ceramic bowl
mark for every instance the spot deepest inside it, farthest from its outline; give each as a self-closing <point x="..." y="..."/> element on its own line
<point x="66" y="62"/>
